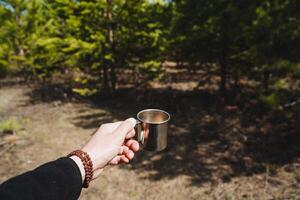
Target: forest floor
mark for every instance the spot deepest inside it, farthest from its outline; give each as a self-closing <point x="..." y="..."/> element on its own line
<point x="214" y="152"/>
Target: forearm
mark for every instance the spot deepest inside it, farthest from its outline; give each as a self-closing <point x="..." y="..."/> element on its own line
<point x="60" y="179"/>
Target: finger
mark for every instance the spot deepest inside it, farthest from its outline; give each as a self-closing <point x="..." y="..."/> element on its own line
<point x="108" y="127"/>
<point x="124" y="159"/>
<point x="125" y="127"/>
<point x="129" y="155"/>
<point x="133" y="145"/>
<point x="123" y="150"/>
<point x="114" y="125"/>
<point x="116" y="160"/>
<point x="111" y="126"/>
<point x="130" y="134"/>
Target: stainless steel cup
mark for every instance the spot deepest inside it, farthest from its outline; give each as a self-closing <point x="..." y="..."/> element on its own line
<point x="152" y="128"/>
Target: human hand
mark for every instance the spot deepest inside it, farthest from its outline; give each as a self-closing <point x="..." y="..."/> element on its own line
<point x="111" y="144"/>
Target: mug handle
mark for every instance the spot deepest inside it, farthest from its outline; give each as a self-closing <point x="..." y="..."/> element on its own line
<point x="139" y="133"/>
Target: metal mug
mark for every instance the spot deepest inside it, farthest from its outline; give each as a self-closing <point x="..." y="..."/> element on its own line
<point x="152" y="128"/>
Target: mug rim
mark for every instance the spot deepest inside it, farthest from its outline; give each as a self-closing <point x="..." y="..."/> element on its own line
<point x="153" y="109"/>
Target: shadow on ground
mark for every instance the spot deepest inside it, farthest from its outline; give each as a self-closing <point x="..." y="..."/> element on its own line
<point x="208" y="142"/>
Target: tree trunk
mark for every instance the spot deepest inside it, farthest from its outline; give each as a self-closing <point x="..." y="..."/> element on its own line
<point x="105" y="76"/>
<point x="110" y="40"/>
<point x="266" y="77"/>
<point x="224" y="55"/>
<point x="21" y="51"/>
<point x="236" y="81"/>
<point x="223" y="75"/>
<point x="136" y="72"/>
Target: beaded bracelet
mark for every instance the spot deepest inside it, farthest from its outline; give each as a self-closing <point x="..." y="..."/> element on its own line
<point x="87" y="164"/>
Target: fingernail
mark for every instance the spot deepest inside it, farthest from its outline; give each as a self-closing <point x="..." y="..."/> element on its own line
<point x="131" y="120"/>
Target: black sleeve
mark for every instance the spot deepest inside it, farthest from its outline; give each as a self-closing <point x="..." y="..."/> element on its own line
<point x="59" y="180"/>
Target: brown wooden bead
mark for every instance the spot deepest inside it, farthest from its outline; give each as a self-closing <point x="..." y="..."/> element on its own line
<point x="87" y="165"/>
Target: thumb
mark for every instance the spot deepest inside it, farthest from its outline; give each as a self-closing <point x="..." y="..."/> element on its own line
<point x="125" y="127"/>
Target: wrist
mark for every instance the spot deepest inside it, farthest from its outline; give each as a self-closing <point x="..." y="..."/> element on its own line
<point x="87" y="164"/>
<point x="80" y="166"/>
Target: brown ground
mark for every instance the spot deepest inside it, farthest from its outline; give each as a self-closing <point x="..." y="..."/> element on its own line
<point x="213" y="153"/>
